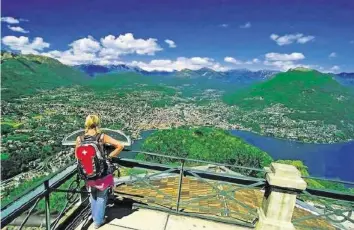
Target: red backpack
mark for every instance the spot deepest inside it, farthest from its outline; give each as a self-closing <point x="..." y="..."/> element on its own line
<point x="91" y="158"/>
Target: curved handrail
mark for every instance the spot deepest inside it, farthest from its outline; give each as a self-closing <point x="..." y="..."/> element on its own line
<point x="330" y="180"/>
<point x="128" y="142"/>
<point x="198" y="161"/>
<point x="236" y="166"/>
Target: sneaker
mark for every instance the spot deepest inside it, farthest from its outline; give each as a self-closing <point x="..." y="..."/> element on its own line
<point x="96" y="226"/>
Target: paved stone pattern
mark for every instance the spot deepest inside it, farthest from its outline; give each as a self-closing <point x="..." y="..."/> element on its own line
<point x="145" y="219"/>
<point x="205" y="197"/>
<point x="196" y="197"/>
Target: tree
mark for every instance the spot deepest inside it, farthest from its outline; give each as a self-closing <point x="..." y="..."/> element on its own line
<point x="6" y="128"/>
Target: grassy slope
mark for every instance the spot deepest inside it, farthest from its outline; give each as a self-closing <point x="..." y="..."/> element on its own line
<point x="25" y="74"/>
<point x="318" y="95"/>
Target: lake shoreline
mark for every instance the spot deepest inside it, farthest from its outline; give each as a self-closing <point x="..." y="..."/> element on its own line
<point x="294" y="140"/>
<point x="260" y="134"/>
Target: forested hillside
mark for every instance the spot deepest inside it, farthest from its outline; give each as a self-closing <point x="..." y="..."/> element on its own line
<point x="301" y="95"/>
<point x="26" y="74"/>
<point x="208" y="144"/>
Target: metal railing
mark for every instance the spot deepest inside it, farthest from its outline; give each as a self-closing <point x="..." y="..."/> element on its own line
<point x="222" y="187"/>
<point x="41" y="192"/>
<point x="334" y="207"/>
<point x="228" y="197"/>
<point x="332" y="213"/>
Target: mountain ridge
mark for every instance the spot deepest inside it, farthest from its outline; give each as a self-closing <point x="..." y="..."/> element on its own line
<point x="42" y="72"/>
<point x="25" y="74"/>
<point x="295" y="97"/>
<point x="94" y="70"/>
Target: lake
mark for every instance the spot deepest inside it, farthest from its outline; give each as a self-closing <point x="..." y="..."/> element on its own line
<point x="333" y="161"/>
<point x="323" y="160"/>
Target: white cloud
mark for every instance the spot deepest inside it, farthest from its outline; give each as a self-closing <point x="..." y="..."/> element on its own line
<point x="274" y="37"/>
<point x="291" y="38"/>
<point x="171" y="43"/>
<point x="85" y="45"/>
<point x="10" y="20"/>
<point x="305" y="39"/>
<point x="246" y="25"/>
<point x="335" y="68"/>
<point x="239" y="62"/>
<point x="127" y="44"/>
<point x="232" y="60"/>
<point x="284" y="65"/>
<point x="69" y="57"/>
<point x="83" y="51"/>
<point x="224" y="25"/>
<point x="284" y="61"/>
<point x="255" y="60"/>
<point x="106" y="51"/>
<point x="18" y="29"/>
<point x="332" y="55"/>
<point x="284" y="57"/>
<point x="23" y="44"/>
<point x="180" y="63"/>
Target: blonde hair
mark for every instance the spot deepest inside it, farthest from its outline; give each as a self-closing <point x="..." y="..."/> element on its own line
<point x="92" y="122"/>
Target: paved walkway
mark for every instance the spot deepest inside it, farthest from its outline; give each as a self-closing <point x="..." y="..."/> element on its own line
<point x="146" y="219"/>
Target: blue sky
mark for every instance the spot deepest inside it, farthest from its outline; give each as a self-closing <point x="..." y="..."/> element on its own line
<point x="216" y="34"/>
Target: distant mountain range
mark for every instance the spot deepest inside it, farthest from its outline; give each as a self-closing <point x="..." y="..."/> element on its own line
<point x="227" y="76"/>
<point x="25" y="74"/>
<point x="231" y="76"/>
<point x="346" y="75"/>
<point x="345" y="78"/>
<point x="93" y="70"/>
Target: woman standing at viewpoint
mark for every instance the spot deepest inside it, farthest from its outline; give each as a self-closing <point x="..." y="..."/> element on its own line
<point x="99" y="186"/>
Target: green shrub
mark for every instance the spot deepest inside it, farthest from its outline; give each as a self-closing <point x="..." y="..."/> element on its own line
<point x="4" y="156"/>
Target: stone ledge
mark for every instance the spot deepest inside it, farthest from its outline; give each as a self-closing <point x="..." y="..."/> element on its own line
<point x="269" y="224"/>
<point x="285" y="176"/>
<point x="284" y="182"/>
<point x="285" y="170"/>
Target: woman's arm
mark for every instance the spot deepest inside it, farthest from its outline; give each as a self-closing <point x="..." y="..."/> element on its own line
<point x="118" y="146"/>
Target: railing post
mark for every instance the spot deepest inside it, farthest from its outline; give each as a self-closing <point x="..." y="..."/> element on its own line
<point x="284" y="182"/>
<point x="47" y="207"/>
<point x="180" y="185"/>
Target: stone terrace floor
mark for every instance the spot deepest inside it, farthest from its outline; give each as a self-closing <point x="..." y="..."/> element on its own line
<point x="120" y="218"/>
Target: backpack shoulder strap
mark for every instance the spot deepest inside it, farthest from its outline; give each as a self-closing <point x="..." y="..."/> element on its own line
<point x="99" y="138"/>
